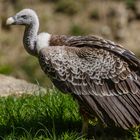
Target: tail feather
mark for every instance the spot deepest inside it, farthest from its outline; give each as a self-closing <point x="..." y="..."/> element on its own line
<point x="120" y="115"/>
<point x="132" y="114"/>
<point x="121" y="111"/>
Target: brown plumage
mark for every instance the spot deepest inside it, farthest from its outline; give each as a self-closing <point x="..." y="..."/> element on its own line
<point x="102" y="76"/>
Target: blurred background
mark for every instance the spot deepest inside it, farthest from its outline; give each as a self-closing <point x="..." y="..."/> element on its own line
<point x="117" y="20"/>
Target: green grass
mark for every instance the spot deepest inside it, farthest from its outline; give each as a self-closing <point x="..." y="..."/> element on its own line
<point x="94" y="14"/>
<point x="5" y="69"/>
<point x="69" y="7"/>
<point x="50" y="116"/>
<point x="77" y="30"/>
<point x="131" y="4"/>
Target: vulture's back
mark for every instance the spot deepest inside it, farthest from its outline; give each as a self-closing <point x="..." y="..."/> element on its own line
<point x="101" y="75"/>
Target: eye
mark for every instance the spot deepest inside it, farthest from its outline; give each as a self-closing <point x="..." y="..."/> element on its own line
<point x="24" y="16"/>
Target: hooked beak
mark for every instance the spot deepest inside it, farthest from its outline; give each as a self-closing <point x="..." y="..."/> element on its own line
<point x="10" y="21"/>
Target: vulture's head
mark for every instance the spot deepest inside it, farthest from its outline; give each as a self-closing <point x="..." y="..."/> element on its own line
<point x="24" y="17"/>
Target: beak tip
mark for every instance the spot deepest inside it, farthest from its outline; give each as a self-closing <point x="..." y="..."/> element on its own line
<point x="10" y="21"/>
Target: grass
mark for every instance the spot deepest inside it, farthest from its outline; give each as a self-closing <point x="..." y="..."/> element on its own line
<point x="70" y="7"/>
<point x="131" y="4"/>
<point x="51" y="116"/>
<point x="5" y="69"/>
<point x="77" y="30"/>
<point x="39" y="117"/>
<point x="94" y="14"/>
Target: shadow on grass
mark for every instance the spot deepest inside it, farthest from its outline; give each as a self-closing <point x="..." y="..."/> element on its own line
<point x="49" y="128"/>
<point x="114" y="133"/>
<point x="45" y="126"/>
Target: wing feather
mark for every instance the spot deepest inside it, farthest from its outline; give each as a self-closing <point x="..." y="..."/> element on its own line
<point x="102" y="76"/>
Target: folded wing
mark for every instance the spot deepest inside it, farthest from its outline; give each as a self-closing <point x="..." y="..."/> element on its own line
<point x="103" y="77"/>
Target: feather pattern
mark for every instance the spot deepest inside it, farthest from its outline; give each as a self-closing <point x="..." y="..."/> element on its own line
<point x="101" y="75"/>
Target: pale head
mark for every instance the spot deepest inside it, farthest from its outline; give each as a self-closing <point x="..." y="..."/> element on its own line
<point x="31" y="40"/>
<point x="24" y="17"/>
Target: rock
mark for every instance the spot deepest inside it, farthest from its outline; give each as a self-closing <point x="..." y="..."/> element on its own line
<point x="12" y="86"/>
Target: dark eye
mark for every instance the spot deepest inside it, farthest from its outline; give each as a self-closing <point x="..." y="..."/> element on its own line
<point x="24" y="16"/>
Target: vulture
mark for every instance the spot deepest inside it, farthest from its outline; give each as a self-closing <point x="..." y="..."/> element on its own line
<point x="101" y="75"/>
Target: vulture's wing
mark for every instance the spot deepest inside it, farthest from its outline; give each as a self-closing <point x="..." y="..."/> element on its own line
<point x="98" y="42"/>
<point x="104" y="77"/>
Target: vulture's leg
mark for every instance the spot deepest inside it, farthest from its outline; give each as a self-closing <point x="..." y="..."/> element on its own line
<point x="85" y="122"/>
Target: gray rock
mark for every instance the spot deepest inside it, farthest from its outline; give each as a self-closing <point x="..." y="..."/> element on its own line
<point x="12" y="86"/>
